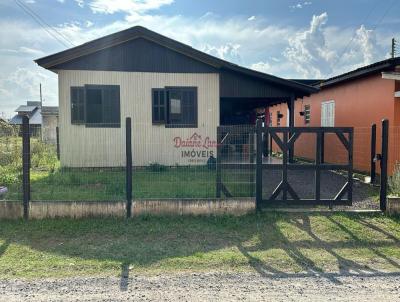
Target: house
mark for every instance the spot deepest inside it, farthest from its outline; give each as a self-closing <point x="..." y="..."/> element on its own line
<point x="43" y="120"/>
<point x="176" y="96"/>
<point x="33" y="111"/>
<point x="359" y="98"/>
<point x="49" y="124"/>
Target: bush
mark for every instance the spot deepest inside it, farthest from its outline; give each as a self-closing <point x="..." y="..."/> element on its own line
<point x="156" y="167"/>
<point x="394" y="181"/>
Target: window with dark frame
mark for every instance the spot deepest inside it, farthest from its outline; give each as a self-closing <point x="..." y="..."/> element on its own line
<point x="175" y="107"/>
<point x="278" y="119"/>
<point x="159" y="106"/>
<point x="96" y="106"/>
<point x="307" y="114"/>
<point x="77" y="105"/>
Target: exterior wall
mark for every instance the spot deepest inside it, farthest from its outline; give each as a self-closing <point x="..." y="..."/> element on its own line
<point x="359" y="104"/>
<point x="49" y="125"/>
<point x="105" y="147"/>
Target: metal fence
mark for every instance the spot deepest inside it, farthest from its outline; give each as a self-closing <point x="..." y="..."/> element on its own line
<point x="110" y="163"/>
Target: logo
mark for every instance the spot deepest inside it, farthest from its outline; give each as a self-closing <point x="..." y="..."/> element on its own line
<point x="195" y="141"/>
<point x="195" y="148"/>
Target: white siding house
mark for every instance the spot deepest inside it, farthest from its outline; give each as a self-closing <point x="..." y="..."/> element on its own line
<point x="176" y="97"/>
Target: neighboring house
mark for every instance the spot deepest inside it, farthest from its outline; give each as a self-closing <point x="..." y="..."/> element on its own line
<point x="176" y="96"/>
<point x="357" y="99"/>
<point x="33" y="111"/>
<point x="49" y="124"/>
<point x="43" y="120"/>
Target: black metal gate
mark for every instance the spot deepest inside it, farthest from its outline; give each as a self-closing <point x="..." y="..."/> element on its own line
<point x="285" y="138"/>
<point x="259" y="139"/>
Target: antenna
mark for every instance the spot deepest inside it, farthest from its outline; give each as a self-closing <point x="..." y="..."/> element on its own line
<point x="393" y="47"/>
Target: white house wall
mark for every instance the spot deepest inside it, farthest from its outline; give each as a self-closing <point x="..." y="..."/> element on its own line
<point x="105" y="147"/>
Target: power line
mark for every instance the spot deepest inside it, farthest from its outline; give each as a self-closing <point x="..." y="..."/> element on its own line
<point x="48" y="25"/>
<point x="44" y="25"/>
<point x="354" y="35"/>
<point x="365" y="19"/>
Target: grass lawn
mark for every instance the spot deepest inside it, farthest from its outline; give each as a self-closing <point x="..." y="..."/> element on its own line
<point x="50" y="182"/>
<point x="108" y="184"/>
<point x="270" y="243"/>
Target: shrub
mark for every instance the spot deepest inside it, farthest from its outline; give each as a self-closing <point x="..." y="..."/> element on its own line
<point x="394" y="181"/>
<point x="156" y="167"/>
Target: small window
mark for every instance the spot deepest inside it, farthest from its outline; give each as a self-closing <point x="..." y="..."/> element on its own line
<point x="175" y="107"/>
<point x="159" y="106"/>
<point x="307" y="114"/>
<point x="77" y="105"/>
<point x="278" y="118"/>
<point x="270" y="119"/>
<point x="103" y="106"/>
<point x="328" y="114"/>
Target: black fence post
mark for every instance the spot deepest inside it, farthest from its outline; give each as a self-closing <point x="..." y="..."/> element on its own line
<point x="384" y="167"/>
<point x="322" y="147"/>
<point x="259" y="155"/>
<point x="26" y="165"/>
<point x="128" y="143"/>
<point x="58" y="142"/>
<point x="270" y="144"/>
<point x="373" y="153"/>
<point x="218" y="168"/>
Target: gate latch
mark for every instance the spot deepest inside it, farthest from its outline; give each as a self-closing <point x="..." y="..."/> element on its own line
<point x="377" y="157"/>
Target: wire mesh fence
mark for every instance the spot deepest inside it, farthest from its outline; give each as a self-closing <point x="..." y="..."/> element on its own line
<point x="10" y="162"/>
<point x="208" y="161"/>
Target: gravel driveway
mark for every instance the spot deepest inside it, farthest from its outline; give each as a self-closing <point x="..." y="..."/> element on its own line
<point x="303" y="183"/>
<point x="208" y="287"/>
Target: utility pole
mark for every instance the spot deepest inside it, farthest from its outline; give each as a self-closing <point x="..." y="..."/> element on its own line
<point x="393" y="47"/>
<point x="41" y="100"/>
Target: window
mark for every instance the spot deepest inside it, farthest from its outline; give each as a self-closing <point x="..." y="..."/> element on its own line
<point x="77" y="105"/>
<point x="159" y="106"/>
<point x="328" y="114"/>
<point x="175" y="107"/>
<point x="270" y="119"/>
<point x="307" y="114"/>
<point x="278" y="118"/>
<point x="96" y="106"/>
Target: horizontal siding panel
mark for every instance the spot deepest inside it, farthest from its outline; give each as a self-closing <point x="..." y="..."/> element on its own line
<point x="105" y="147"/>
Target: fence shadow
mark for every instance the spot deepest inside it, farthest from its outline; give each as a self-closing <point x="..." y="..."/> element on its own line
<point x="188" y="242"/>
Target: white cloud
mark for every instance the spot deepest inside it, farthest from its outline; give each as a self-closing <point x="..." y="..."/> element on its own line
<point x="81" y="3"/>
<point x="126" y="6"/>
<point x="300" y="5"/>
<point x="308" y="50"/>
<point x="229" y="51"/>
<point x="251" y="18"/>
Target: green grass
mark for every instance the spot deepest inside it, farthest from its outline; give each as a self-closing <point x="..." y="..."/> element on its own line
<point x="50" y="182"/>
<point x="109" y="184"/>
<point x="269" y="243"/>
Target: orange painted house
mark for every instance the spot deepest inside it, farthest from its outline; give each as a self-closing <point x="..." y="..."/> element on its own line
<point x="355" y="99"/>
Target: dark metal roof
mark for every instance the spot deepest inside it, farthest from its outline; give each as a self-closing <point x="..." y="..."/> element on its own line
<point x="49" y="110"/>
<point x="25" y="109"/>
<point x="35" y="118"/>
<point x="50" y="62"/>
<point x="307" y="81"/>
<point x="388" y="64"/>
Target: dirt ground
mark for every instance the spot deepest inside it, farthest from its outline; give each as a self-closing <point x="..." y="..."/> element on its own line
<point x="209" y="287"/>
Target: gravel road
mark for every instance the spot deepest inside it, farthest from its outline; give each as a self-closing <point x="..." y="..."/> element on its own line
<point x="208" y="287"/>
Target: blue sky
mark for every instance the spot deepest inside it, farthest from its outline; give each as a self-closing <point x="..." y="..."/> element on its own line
<point x="287" y="38"/>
